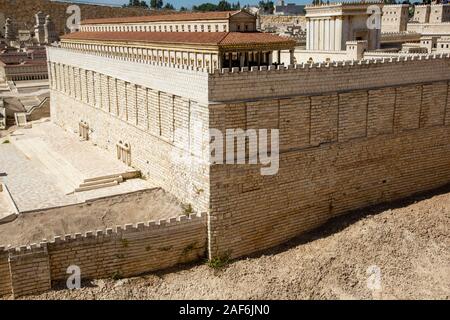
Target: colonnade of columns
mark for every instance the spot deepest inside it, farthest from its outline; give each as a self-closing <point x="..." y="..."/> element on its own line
<point x="324" y="34"/>
<point x="252" y="58"/>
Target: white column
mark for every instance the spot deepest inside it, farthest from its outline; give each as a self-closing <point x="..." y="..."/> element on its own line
<point x="321" y="34"/>
<point x="316" y="34"/>
<point x="327" y="34"/>
<point x="338" y="34"/>
<point x="332" y="33"/>
<point x="308" y="34"/>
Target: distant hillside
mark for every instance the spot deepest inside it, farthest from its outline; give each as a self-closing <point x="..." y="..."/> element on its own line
<point x="23" y="11"/>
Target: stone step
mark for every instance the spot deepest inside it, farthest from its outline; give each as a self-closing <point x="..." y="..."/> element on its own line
<point x="94" y="182"/>
<point x="69" y="178"/>
<point x="125" y="175"/>
<point x="97" y="186"/>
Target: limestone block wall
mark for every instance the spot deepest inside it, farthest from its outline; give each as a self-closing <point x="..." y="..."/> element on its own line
<point x="395" y="18"/>
<point x="339" y="151"/>
<point x="117" y="252"/>
<point x="323" y="77"/>
<point x="421" y="14"/>
<point x="430" y="29"/>
<point x="5" y="281"/>
<point x="352" y="134"/>
<point x="131" y="250"/>
<point x="178" y="81"/>
<point x="281" y="21"/>
<point x="166" y="131"/>
<point x="304" y="56"/>
<point x="29" y="270"/>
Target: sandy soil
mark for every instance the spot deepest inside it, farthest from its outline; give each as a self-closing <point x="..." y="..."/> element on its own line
<point x="136" y="207"/>
<point x="408" y="242"/>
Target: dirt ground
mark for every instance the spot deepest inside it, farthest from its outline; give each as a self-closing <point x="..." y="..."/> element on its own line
<point x="136" y="207"/>
<point x="406" y="243"/>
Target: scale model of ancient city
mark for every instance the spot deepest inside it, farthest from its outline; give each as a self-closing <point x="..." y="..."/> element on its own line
<point x="276" y="151"/>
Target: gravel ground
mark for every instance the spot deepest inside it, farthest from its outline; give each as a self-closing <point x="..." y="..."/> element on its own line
<point x="407" y="242"/>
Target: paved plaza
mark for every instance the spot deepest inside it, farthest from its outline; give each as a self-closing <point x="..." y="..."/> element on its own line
<point x="43" y="165"/>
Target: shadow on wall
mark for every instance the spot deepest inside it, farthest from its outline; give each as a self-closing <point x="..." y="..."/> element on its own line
<point x="340" y="223"/>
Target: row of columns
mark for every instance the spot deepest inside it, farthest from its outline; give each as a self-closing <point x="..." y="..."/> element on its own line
<point x="324" y="34"/>
<point x="25" y="77"/>
<point x="249" y="59"/>
<point x="196" y="59"/>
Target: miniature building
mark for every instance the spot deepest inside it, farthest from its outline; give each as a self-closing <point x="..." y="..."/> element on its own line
<point x="39" y="30"/>
<point x="351" y="134"/>
<point x="221" y="21"/>
<point x="429" y="43"/>
<point x="2" y="115"/>
<point x="2" y="25"/>
<point x="443" y="45"/>
<point x="10" y="31"/>
<point x="439" y="13"/>
<point x="395" y="18"/>
<point x="421" y="14"/>
<point x="209" y="50"/>
<point x="45" y="31"/>
<point x="30" y="70"/>
<point x="288" y="9"/>
<point x="330" y="26"/>
<point x="434" y="13"/>
<point x="51" y="35"/>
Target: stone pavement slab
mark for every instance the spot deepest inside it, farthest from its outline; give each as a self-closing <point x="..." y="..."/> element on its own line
<point x="38" y="182"/>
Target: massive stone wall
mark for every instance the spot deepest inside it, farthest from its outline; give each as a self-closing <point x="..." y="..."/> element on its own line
<point x="166" y="131"/>
<point x="123" y="251"/>
<point x="430" y="29"/>
<point x="338" y="152"/>
<point x="352" y="134"/>
<point x="57" y="10"/>
<point x="326" y="77"/>
<point x="282" y="21"/>
<point x="5" y="281"/>
<point x="186" y="83"/>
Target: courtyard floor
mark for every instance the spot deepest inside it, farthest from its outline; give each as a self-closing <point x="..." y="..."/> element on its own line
<point x="44" y="164"/>
<point x="41" y="167"/>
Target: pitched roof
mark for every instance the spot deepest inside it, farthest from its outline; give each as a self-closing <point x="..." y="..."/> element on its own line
<point x="221" y="39"/>
<point x="182" y="16"/>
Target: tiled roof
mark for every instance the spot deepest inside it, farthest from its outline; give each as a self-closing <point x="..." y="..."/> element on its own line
<point x="184" y="16"/>
<point x="206" y="38"/>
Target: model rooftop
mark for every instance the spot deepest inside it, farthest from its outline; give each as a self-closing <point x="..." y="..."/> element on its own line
<point x="220" y="39"/>
<point x="184" y="16"/>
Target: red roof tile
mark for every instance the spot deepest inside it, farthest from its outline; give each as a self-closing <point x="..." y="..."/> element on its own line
<point x="184" y="16"/>
<point x="207" y="38"/>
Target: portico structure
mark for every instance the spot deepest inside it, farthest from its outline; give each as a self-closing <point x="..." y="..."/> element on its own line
<point x="330" y="26"/>
<point x="209" y="51"/>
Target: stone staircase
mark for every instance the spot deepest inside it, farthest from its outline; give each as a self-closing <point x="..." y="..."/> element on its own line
<point x="70" y="179"/>
<point x="99" y="182"/>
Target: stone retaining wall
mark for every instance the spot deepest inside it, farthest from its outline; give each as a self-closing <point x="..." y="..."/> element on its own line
<point x="338" y="152"/>
<point x="352" y="134"/>
<point x="117" y="252"/>
<point x="306" y="79"/>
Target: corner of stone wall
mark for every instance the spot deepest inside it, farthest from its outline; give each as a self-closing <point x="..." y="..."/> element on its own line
<point x="29" y="269"/>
